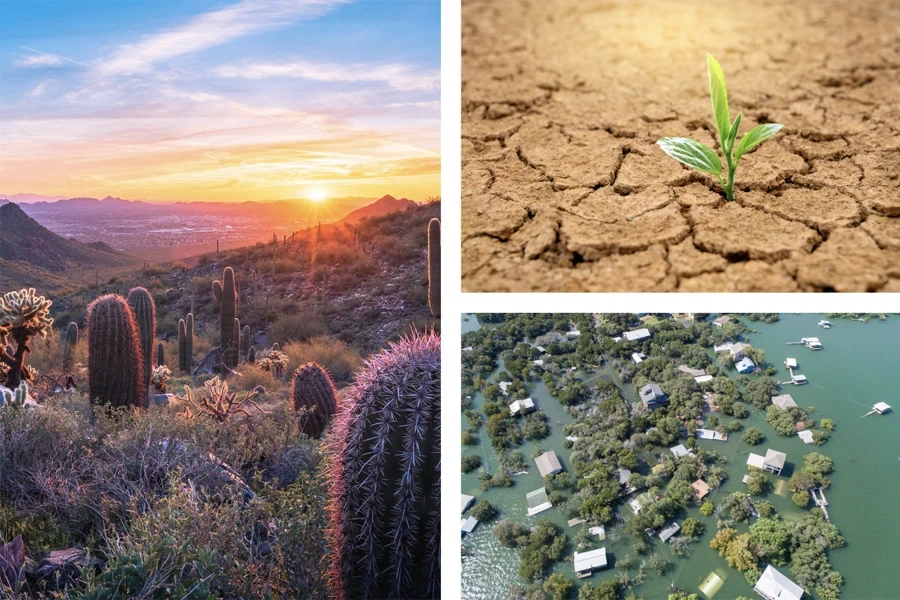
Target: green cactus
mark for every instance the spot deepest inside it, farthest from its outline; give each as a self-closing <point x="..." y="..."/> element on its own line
<point x="115" y="363"/>
<point x="384" y="462"/>
<point x="189" y="342"/>
<point x="182" y="346"/>
<point x="70" y="339"/>
<point x="245" y="341"/>
<point x="251" y="354"/>
<point x="235" y="350"/>
<point x="434" y="267"/>
<point x="15" y="398"/>
<point x="225" y="295"/>
<point x="313" y="389"/>
<point x="23" y="316"/>
<point x="160" y="354"/>
<point x="144" y="309"/>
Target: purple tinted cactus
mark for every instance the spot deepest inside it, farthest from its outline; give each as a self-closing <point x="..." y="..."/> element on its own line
<point x="144" y="309"/>
<point x="313" y="389"/>
<point x="115" y="362"/>
<point x="384" y="459"/>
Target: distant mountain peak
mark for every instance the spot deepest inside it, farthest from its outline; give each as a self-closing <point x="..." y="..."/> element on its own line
<point x="385" y="205"/>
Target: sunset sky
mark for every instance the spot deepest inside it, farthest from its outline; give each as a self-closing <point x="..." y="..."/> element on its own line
<point x="220" y="100"/>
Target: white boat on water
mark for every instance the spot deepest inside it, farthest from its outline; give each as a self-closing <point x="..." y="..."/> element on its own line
<point x="824" y="324"/>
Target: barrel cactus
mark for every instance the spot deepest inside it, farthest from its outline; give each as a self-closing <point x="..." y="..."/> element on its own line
<point x="225" y="295"/>
<point x="384" y="460"/>
<point x="69" y="341"/>
<point x="313" y="389"/>
<point x="144" y="309"/>
<point x="434" y="267"/>
<point x="115" y="363"/>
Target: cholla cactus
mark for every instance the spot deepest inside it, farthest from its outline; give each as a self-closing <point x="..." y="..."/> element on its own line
<point x="15" y="398"/>
<point x="218" y="403"/>
<point x="384" y="461"/>
<point x="23" y="315"/>
<point x="272" y="360"/>
<point x="160" y="378"/>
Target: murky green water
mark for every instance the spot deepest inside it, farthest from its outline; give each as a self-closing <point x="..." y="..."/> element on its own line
<point x="857" y="369"/>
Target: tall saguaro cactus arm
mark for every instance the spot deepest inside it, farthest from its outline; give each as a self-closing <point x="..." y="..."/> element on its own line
<point x="23" y="316"/>
<point x="384" y="461"/>
<point x="434" y="267"/>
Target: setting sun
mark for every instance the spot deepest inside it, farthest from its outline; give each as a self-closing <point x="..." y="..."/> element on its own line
<point x="317" y="194"/>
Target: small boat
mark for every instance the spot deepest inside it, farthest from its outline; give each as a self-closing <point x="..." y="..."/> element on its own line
<point x="824" y="324"/>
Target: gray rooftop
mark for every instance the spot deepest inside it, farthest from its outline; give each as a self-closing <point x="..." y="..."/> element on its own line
<point x="548" y="463"/>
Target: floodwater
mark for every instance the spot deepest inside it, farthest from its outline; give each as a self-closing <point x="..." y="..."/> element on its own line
<point x="856" y="369"/>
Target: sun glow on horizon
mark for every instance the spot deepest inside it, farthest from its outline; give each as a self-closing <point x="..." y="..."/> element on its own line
<point x="317" y="194"/>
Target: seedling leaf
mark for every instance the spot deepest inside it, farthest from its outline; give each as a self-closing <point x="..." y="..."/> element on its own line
<point x="755" y="137"/>
<point x="732" y="135"/>
<point x="692" y="153"/>
<point x="719" y="97"/>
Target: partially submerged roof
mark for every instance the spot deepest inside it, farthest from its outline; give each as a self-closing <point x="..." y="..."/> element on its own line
<point x="755" y="460"/>
<point x="548" y="463"/>
<point x="467" y="502"/>
<point x="882" y="407"/>
<point x="593" y="559"/>
<point x="785" y="401"/>
<point x="723" y="347"/>
<point x="669" y="531"/>
<point x="772" y="584"/>
<point x="651" y="392"/>
<point x="806" y="436"/>
<point x="599" y="531"/>
<point x="701" y="488"/>
<point x="680" y="451"/>
<point x="468" y="525"/>
<point x="624" y="476"/>
<point x="711" y="434"/>
<point x="692" y="372"/>
<point x="524" y="405"/>
<point x="775" y="458"/>
<point x="723" y="320"/>
<point x="537" y="501"/>
<point x="703" y="378"/>
<point x="744" y="365"/>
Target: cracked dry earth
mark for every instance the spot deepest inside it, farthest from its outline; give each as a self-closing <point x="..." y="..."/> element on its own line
<point x="565" y="190"/>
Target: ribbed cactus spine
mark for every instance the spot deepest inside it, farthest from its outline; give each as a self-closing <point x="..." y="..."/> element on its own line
<point x="225" y="295"/>
<point x="160" y="354"/>
<point x="384" y="461"/>
<point x="115" y="363"/>
<point x="251" y="354"/>
<point x="313" y="389"/>
<point x="71" y="339"/>
<point x="182" y="346"/>
<point x="189" y="342"/>
<point x="144" y="309"/>
<point x="434" y="267"/>
<point x="245" y="340"/>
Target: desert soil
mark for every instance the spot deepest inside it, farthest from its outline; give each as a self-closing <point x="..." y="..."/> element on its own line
<point x="565" y="190"/>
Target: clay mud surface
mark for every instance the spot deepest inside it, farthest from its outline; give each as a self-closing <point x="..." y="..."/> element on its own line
<point x="564" y="188"/>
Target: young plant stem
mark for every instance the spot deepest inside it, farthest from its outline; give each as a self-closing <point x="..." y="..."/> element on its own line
<point x="732" y="167"/>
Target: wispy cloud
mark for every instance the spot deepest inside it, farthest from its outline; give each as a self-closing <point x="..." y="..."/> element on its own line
<point x="211" y="29"/>
<point x="38" y="89"/>
<point x="40" y="59"/>
<point x="398" y="76"/>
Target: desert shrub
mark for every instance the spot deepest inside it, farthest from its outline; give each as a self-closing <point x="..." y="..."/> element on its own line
<point x="341" y="360"/>
<point x="298" y="327"/>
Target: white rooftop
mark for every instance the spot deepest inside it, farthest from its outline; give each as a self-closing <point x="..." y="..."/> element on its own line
<point x="711" y="434"/>
<point x="599" y="531"/>
<point x="791" y="363"/>
<point x="680" y="451"/>
<point x="467" y="502"/>
<point x="548" y="463"/>
<point x="703" y="378"/>
<point x="775" y="458"/>
<point x="669" y="531"/>
<point x="755" y="460"/>
<point x="468" y="525"/>
<point x="594" y="559"/>
<point x="806" y="435"/>
<point x="882" y="407"/>
<point x="638" y="357"/>
<point x="637" y="334"/>
<point x="775" y="586"/>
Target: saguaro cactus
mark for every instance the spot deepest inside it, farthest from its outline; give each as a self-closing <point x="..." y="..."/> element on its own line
<point x="225" y="295"/>
<point x="160" y="354"/>
<point x="70" y="340"/>
<point x="235" y="350"/>
<point x="313" y="389"/>
<point x="182" y="345"/>
<point x="115" y="363"/>
<point x="245" y="340"/>
<point x="144" y="309"/>
<point x="434" y="267"/>
<point x="251" y="354"/>
<point x="189" y="342"/>
<point x="384" y="460"/>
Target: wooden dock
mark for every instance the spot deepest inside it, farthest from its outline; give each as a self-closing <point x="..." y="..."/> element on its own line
<point x="821" y="502"/>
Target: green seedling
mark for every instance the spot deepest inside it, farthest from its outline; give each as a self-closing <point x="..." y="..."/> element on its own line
<point x="702" y="157"/>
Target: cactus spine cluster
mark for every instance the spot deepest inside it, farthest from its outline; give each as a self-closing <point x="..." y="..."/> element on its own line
<point x="71" y="339"/>
<point x="144" y="309"/>
<point x="115" y="362"/>
<point x="434" y="267"/>
<point x="384" y="471"/>
<point x="225" y="295"/>
<point x="313" y="389"/>
<point x="15" y="398"/>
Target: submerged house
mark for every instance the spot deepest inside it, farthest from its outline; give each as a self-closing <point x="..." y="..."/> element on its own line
<point x="711" y="434"/>
<point x="722" y="321"/>
<point x="745" y="365"/>
<point x="522" y="407"/>
<point x="701" y="489"/>
<point x="679" y="451"/>
<point x="772" y="585"/>
<point x="799" y="379"/>
<point x="467" y="501"/>
<point x="773" y="461"/>
<point x="737" y="350"/>
<point x="537" y="501"/>
<point x="586" y="562"/>
<point x="468" y="525"/>
<point x="652" y="396"/>
<point x="638" y="357"/>
<point x="548" y="463"/>
<point x="784" y="402"/>
<point x="669" y="531"/>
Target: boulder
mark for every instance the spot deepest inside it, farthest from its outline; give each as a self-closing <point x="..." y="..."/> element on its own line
<point x="12" y="558"/>
<point x="61" y="568"/>
<point x="212" y="364"/>
<point x="162" y="399"/>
